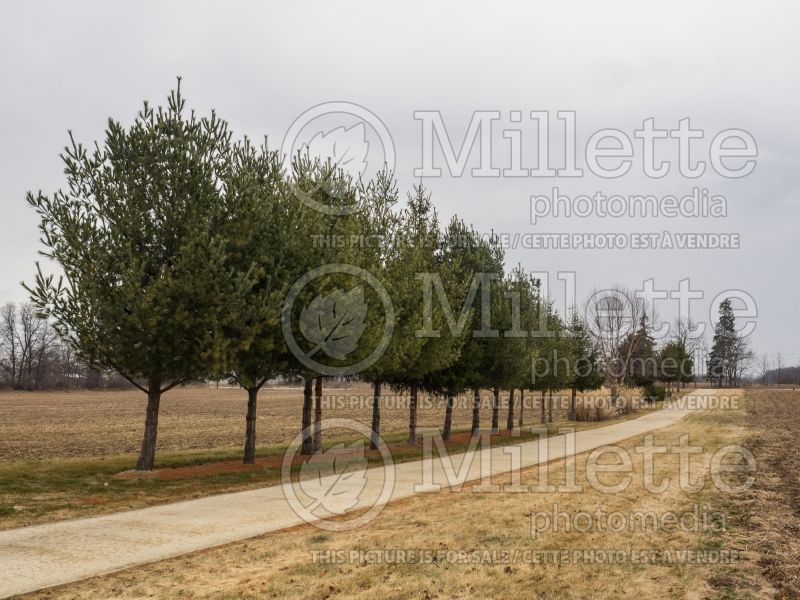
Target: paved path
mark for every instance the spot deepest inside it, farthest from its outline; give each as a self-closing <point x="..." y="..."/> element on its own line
<point x="46" y="555"/>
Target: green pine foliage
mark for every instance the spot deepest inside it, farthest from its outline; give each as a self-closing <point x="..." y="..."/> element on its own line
<point x="148" y="288"/>
<point x="261" y="246"/>
<point x="422" y="252"/>
<point x="641" y="347"/>
<point x="183" y="252"/>
<point x="585" y="359"/>
<point x="723" y="357"/>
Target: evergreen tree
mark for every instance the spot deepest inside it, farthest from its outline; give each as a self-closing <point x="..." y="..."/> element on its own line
<point x="586" y="372"/>
<point x="396" y="267"/>
<point x="502" y="360"/>
<point x="487" y="340"/>
<point x="551" y="361"/>
<point x="147" y="287"/>
<point x="641" y="348"/>
<point x="505" y="358"/>
<point x="670" y="359"/>
<point x="467" y="257"/>
<point x="723" y="347"/>
<point x="261" y="228"/>
<point x="422" y="253"/>
<point x="530" y="308"/>
<point x="317" y="239"/>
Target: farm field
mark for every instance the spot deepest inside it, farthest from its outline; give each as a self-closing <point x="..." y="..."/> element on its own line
<point x="288" y="564"/>
<point x="103" y="423"/>
<point x="62" y="453"/>
<point x="42" y="425"/>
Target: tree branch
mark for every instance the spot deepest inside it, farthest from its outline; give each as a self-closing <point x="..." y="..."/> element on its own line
<point x="172" y="385"/>
<point x="131" y="381"/>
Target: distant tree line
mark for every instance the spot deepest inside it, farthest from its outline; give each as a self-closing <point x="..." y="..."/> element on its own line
<point x="34" y="357"/>
<point x="775" y="372"/>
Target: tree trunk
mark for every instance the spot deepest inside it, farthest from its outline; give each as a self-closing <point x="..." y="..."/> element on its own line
<point x="250" y="434"/>
<point x="476" y="409"/>
<point x="317" y="443"/>
<point x="510" y="419"/>
<point x="147" y="457"/>
<point x="572" y="404"/>
<point x="550" y="407"/>
<point x="93" y="379"/>
<point x="448" y="415"/>
<point x="376" y="416"/>
<point x="412" y="415"/>
<point x="542" y="407"/>
<point x="307" y="446"/>
<point x="496" y="411"/>
<point x="521" y="405"/>
<point x="614" y="392"/>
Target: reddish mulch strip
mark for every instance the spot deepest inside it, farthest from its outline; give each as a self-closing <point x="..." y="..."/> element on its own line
<point x="272" y="462"/>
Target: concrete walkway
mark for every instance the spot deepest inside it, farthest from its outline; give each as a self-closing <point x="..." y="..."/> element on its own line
<point x="46" y="555"/>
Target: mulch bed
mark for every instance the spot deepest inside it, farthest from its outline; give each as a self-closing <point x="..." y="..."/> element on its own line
<point x="272" y="462"/>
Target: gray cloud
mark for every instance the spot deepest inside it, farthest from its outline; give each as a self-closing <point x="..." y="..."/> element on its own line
<point x="724" y="64"/>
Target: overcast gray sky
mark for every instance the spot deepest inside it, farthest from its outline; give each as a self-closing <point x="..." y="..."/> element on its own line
<point x="722" y="64"/>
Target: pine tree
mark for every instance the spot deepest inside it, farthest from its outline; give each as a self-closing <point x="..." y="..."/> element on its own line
<point x="530" y="307"/>
<point x="676" y="363"/>
<point x="261" y="229"/>
<point x="422" y="253"/>
<point x="551" y="366"/>
<point x="723" y="347"/>
<point x="395" y="265"/>
<point x="505" y="357"/>
<point x="642" y="364"/>
<point x="502" y="360"/>
<point x="487" y="341"/>
<point x="147" y="288"/>
<point x="586" y="371"/>
<point x="465" y="256"/>
<point x="316" y="239"/>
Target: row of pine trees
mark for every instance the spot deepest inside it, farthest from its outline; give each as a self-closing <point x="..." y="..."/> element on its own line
<point x="178" y="245"/>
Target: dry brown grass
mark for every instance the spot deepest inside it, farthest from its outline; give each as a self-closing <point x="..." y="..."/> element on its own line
<point x="38" y="425"/>
<point x="280" y="565"/>
<point x="767" y="517"/>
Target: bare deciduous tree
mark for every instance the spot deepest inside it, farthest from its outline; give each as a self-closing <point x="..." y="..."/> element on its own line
<point x="31" y="354"/>
<point x="764" y="368"/>
<point x="8" y="343"/>
<point x="742" y="358"/>
<point x="612" y="317"/>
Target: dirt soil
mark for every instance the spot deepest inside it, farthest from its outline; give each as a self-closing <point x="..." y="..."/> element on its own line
<point x="41" y="425"/>
<point x="38" y="425"/>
